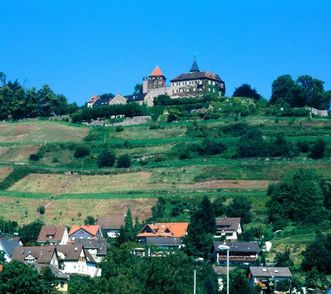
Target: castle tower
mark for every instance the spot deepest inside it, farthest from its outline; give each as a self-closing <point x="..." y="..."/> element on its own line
<point x="156" y="79"/>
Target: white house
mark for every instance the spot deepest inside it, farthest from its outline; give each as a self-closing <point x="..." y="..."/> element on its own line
<point x="228" y="227"/>
<point x="74" y="259"/>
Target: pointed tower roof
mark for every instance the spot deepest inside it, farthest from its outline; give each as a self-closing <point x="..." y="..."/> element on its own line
<point x="156" y="72"/>
<point x="194" y="67"/>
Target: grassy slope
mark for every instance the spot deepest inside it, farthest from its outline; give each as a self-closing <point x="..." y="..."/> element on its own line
<point x="70" y="198"/>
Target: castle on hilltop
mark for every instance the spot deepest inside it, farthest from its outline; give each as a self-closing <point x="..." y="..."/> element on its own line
<point x="195" y="83"/>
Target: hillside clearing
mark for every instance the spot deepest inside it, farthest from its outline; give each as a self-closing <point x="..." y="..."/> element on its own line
<point x="71" y="211"/>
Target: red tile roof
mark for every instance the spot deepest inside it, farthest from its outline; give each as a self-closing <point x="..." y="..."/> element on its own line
<point x="164" y="230"/>
<point x="92" y="229"/>
<point x="156" y="72"/>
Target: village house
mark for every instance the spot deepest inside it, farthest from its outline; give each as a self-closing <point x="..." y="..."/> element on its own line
<point x="96" y="247"/>
<point x="42" y="255"/>
<point x="228" y="227"/>
<point x="111" y="224"/>
<point x="163" y="235"/>
<point x="9" y="245"/>
<point x="53" y="235"/>
<point x="264" y="276"/>
<point x="85" y="232"/>
<point x="242" y="253"/>
<point x="75" y="259"/>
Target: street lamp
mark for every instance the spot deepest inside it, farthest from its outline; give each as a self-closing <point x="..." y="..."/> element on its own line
<point x="227" y="248"/>
<point x="196" y="260"/>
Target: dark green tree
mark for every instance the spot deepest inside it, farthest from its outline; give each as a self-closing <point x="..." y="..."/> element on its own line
<point x="238" y="283"/>
<point x="81" y="151"/>
<point x="124" y="161"/>
<point x="128" y="231"/>
<point x="49" y="279"/>
<point x="106" y="158"/>
<point x="159" y="210"/>
<point x="240" y="207"/>
<point x="252" y="144"/>
<point x="283" y="258"/>
<point x="199" y="238"/>
<point x="20" y="278"/>
<point x="313" y="92"/>
<point x="245" y="90"/>
<point x="282" y="90"/>
<point x="318" y="254"/>
<point x="90" y="220"/>
<point x="299" y="197"/>
<point x="29" y="233"/>
<point x="318" y="149"/>
<point x="79" y="284"/>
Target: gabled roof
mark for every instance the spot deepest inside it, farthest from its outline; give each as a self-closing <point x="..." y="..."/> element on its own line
<point x="71" y="252"/>
<point x="156" y="72"/>
<point x="278" y="272"/>
<point x="164" y="230"/>
<point x="111" y="222"/>
<point x="51" y="233"/>
<point x="197" y="76"/>
<point x="10" y="244"/>
<point x="235" y="247"/>
<point x="227" y="223"/>
<point x="42" y="254"/>
<point x="91" y="229"/>
<point x="99" y="244"/>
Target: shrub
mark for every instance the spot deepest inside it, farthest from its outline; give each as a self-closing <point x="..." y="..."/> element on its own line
<point x="124" y="161"/>
<point x="41" y="210"/>
<point x="318" y="149"/>
<point x="90" y="220"/>
<point x="81" y="151"/>
<point x="211" y="147"/>
<point x="34" y="157"/>
<point x="106" y="158"/>
<point x="55" y="160"/>
<point x="303" y="147"/>
<point x="119" y="129"/>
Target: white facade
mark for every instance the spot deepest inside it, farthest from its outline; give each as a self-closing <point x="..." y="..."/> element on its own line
<point x="80" y="266"/>
<point x="65" y="238"/>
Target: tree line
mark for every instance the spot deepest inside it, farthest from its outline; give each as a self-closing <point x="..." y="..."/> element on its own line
<point x="17" y="102"/>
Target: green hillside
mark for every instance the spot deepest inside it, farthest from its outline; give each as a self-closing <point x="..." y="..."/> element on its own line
<point x="162" y="165"/>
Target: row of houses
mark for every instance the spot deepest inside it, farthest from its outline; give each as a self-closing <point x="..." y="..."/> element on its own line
<point x="82" y="248"/>
<point x="194" y="83"/>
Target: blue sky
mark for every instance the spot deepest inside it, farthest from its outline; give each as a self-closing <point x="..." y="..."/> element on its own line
<point x="82" y="48"/>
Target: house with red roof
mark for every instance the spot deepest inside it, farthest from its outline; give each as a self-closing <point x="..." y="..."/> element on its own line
<point x="163" y="235"/>
<point x="85" y="232"/>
